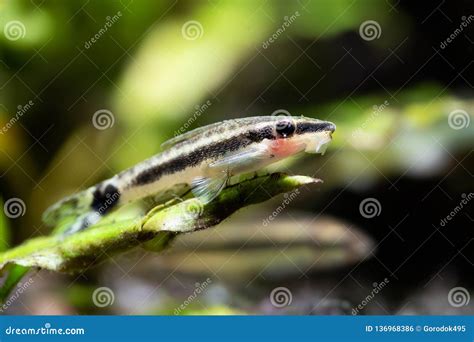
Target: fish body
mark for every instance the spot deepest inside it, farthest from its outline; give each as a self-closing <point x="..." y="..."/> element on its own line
<point x="204" y="158"/>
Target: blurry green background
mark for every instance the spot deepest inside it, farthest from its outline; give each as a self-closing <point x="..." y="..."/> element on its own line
<point x="100" y="85"/>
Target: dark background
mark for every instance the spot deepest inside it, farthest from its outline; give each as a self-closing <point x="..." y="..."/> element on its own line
<point x="417" y="168"/>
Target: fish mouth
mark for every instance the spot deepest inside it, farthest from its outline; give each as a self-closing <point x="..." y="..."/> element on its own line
<point x="319" y="142"/>
<point x="323" y="144"/>
<point x="330" y="127"/>
<point x="316" y="135"/>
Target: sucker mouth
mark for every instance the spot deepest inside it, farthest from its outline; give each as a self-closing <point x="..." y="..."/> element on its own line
<point x="331" y="128"/>
<point x="322" y="146"/>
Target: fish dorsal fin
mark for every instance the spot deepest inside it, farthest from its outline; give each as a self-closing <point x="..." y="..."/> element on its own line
<point x="191" y="134"/>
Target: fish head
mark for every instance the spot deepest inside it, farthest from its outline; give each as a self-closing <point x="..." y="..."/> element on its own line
<point x="302" y="133"/>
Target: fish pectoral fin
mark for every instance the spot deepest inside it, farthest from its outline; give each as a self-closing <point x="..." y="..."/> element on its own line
<point x="206" y="189"/>
<point x="236" y="160"/>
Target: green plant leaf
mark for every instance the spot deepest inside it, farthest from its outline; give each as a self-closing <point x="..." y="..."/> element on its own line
<point x="84" y="249"/>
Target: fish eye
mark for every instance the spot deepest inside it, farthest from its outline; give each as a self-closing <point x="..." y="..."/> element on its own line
<point x="285" y="128"/>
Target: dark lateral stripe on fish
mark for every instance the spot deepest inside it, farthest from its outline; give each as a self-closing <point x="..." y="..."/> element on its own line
<point x="195" y="157"/>
<point x="106" y="199"/>
<point x="314" y="127"/>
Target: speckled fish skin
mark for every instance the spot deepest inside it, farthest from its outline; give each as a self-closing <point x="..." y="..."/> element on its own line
<point x="204" y="158"/>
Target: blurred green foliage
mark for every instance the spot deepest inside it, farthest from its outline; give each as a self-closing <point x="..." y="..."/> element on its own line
<point x="155" y="80"/>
